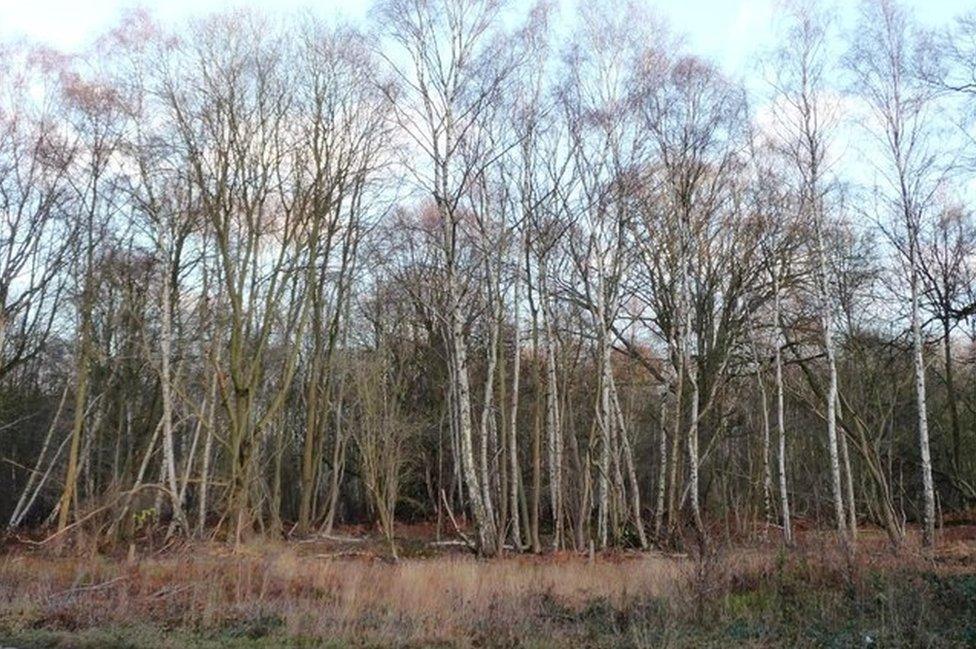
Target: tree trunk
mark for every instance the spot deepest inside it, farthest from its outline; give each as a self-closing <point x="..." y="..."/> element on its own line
<point x="635" y="500"/>
<point x="828" y="332"/>
<point x="784" y="496"/>
<point x="928" y="489"/>
<point x="166" y="327"/>
<point x="514" y="468"/>
<point x="487" y="536"/>
<point x="662" y="473"/>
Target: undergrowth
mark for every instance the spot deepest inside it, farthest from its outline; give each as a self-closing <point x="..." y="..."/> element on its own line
<point x="718" y="598"/>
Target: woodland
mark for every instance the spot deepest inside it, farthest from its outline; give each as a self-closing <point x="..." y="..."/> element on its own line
<point x="484" y="281"/>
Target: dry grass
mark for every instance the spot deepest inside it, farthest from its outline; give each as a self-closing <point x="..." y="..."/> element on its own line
<point x="429" y="600"/>
<point x="290" y="591"/>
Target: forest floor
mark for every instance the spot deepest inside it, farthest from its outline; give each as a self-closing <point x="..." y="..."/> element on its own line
<point x="345" y="591"/>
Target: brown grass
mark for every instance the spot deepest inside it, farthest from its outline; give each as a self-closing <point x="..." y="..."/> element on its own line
<point x="432" y="600"/>
<point x="297" y="590"/>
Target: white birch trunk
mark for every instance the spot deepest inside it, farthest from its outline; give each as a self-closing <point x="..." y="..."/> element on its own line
<point x="514" y="469"/>
<point x="828" y="333"/>
<point x="784" y="496"/>
<point x="928" y="489"/>
<point x="693" y="460"/>
<point x="606" y="423"/>
<point x="553" y="427"/>
<point x="662" y="476"/>
<point x="488" y="400"/>
<point x="635" y="500"/>
<point x="485" y="525"/>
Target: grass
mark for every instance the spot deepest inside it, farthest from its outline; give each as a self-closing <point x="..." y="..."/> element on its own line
<point x="292" y="595"/>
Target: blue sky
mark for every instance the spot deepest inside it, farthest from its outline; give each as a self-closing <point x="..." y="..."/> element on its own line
<point x="728" y="31"/>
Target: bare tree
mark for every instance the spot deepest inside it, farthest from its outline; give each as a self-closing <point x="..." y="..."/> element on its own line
<point x="804" y="122"/>
<point x="884" y="62"/>
<point x="95" y="113"/>
<point x="450" y="71"/>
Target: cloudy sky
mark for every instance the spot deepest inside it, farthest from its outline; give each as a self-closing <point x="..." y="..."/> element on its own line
<point x="728" y="31"/>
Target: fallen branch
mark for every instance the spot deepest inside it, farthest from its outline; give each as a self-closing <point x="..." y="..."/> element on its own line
<point x="347" y="553"/>
<point x="339" y="539"/>
<point x="457" y="528"/>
